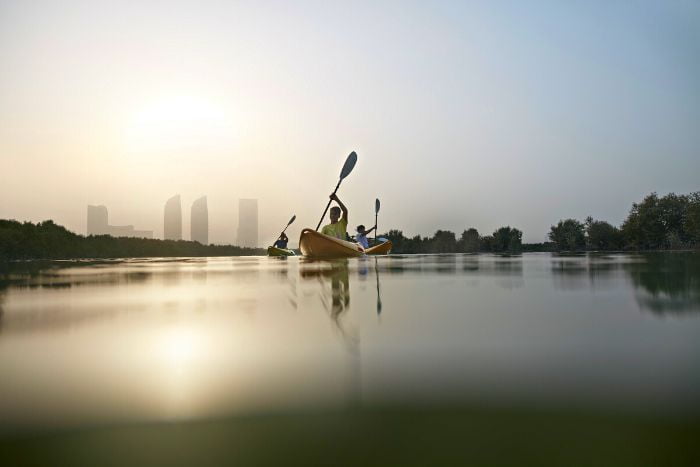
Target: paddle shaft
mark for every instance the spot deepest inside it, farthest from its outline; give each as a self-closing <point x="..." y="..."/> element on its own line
<point x="375" y="227"/>
<point x="328" y="205"/>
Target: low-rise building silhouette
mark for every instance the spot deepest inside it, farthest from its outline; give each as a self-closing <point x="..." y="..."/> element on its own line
<point x="98" y="224"/>
<point x="172" y="219"/>
<point x="199" y="221"/>
<point x="248" y="223"/>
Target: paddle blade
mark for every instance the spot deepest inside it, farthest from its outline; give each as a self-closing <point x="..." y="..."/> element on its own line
<point x="376" y="206"/>
<point x="294" y="217"/>
<point x="349" y="165"/>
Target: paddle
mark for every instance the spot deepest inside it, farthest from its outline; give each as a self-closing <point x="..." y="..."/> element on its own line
<point x="294" y="217"/>
<point x="376" y="213"/>
<point x="347" y="168"/>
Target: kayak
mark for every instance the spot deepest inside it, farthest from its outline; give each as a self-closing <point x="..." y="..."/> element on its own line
<point x="317" y="245"/>
<point x="274" y="251"/>
<point x="381" y="249"/>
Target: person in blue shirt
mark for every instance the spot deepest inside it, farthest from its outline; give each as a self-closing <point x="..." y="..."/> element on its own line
<point x="282" y="241"/>
<point x="361" y="236"/>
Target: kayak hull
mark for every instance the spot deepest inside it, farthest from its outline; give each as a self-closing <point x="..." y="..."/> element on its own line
<point x="317" y="245"/>
<point x="381" y="249"/>
<point x="274" y="251"/>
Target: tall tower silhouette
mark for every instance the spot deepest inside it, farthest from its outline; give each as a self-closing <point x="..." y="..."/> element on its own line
<point x="199" y="221"/>
<point x="172" y="219"/>
<point x="97" y="220"/>
<point x="248" y="222"/>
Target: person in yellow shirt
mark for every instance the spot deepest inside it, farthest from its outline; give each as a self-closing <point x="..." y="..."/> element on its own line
<point x="338" y="227"/>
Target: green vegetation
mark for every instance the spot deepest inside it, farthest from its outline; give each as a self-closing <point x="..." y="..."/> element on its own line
<point x="46" y="240"/>
<point x="657" y="223"/>
<point x="503" y="240"/>
<point x="671" y="221"/>
<point x="568" y="235"/>
<point x="601" y="235"/>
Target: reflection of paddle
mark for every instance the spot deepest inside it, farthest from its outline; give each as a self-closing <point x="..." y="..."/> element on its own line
<point x="379" y="297"/>
<point x="347" y="168"/>
<point x="376" y="213"/>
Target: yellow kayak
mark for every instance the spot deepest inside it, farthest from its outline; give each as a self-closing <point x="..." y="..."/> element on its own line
<point x="381" y="249"/>
<point x="317" y="245"/>
<point x="274" y="251"/>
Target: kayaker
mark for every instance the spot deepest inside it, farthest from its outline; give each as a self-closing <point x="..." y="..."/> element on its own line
<point x="282" y="241"/>
<point x="361" y="236"/>
<point x="338" y="227"/>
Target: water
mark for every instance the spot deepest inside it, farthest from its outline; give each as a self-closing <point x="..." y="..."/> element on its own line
<point x="111" y="343"/>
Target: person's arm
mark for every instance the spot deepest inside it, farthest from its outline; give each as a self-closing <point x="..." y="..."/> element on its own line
<point x="368" y="231"/>
<point x="335" y="198"/>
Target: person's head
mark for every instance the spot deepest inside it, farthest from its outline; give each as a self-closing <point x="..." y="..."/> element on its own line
<point x="360" y="229"/>
<point x="283" y="236"/>
<point x="335" y="214"/>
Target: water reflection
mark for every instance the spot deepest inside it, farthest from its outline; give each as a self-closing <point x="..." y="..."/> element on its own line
<point x="379" y="294"/>
<point x="163" y="339"/>
<point x="667" y="283"/>
<point x="662" y="282"/>
<point x="336" y="298"/>
<point x="570" y="272"/>
<point x="2" y="310"/>
<point x="509" y="270"/>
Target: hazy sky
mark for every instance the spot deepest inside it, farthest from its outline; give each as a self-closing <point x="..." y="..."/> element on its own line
<point x="462" y="113"/>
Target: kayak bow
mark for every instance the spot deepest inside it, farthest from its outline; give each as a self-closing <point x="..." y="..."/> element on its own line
<point x="317" y="245"/>
<point x="381" y="249"/>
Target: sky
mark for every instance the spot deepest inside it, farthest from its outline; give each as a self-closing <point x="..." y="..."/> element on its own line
<point x="463" y="114"/>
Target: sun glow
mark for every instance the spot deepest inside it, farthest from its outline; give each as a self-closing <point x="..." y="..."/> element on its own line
<point x="179" y="347"/>
<point x="179" y="124"/>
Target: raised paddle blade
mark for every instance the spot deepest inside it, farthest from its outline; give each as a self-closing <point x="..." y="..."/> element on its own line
<point x="294" y="217"/>
<point x="376" y="206"/>
<point x="347" y="168"/>
<point x="349" y="165"/>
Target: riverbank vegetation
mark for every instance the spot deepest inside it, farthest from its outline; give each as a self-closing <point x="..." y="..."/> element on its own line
<point x="503" y="240"/>
<point x="47" y="240"/>
<point x="670" y="222"/>
<point x="655" y="223"/>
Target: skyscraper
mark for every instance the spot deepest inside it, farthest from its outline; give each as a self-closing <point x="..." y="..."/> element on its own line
<point x="199" y="221"/>
<point x="97" y="220"/>
<point x="248" y="222"/>
<point x="98" y="224"/>
<point x="172" y="219"/>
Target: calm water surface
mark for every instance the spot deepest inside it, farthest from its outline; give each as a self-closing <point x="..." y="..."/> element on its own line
<point x="98" y="343"/>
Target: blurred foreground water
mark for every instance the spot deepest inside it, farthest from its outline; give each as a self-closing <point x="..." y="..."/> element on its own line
<point x="409" y="359"/>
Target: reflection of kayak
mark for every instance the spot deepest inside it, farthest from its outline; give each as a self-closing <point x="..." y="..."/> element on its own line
<point x="381" y="249"/>
<point x="274" y="251"/>
<point x="318" y="245"/>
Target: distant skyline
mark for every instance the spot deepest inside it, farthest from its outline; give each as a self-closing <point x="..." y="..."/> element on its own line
<point x="463" y="114"/>
<point x="199" y="221"/>
<point x="172" y="219"/>
<point x="98" y="224"/>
